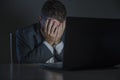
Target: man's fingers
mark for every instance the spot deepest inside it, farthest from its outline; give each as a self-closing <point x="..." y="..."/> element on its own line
<point x="46" y="25"/>
<point x="50" y="26"/>
<point x="53" y="28"/>
<point x="56" y="31"/>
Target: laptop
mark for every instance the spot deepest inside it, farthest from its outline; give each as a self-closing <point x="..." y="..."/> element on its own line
<point x="91" y="43"/>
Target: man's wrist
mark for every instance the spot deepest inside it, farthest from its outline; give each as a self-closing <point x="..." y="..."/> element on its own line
<point x="57" y="42"/>
<point x="51" y="43"/>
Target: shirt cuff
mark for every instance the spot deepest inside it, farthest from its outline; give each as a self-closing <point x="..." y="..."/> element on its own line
<point x="48" y="46"/>
<point x="59" y="47"/>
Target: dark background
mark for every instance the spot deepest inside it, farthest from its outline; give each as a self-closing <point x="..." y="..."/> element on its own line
<point x="18" y="13"/>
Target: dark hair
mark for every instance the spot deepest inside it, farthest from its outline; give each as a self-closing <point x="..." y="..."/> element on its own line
<point x="54" y="9"/>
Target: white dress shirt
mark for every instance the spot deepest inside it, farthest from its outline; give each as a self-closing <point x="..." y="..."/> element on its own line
<point x="58" y="48"/>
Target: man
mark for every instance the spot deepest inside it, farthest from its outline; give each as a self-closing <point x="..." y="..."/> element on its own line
<point x="43" y="42"/>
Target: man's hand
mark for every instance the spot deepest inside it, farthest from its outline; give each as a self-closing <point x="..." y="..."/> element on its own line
<point x="53" y="31"/>
<point x="60" y="32"/>
<point x="49" y="31"/>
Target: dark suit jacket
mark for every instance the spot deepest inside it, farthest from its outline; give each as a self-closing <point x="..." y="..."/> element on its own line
<point x="30" y="47"/>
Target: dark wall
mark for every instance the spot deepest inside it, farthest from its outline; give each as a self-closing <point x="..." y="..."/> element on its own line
<point x="18" y="13"/>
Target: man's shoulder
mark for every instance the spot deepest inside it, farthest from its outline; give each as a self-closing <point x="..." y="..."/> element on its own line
<point x="29" y="29"/>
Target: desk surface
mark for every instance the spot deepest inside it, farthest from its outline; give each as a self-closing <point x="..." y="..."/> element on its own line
<point x="34" y="72"/>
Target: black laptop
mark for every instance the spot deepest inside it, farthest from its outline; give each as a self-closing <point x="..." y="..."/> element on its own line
<point x="90" y="43"/>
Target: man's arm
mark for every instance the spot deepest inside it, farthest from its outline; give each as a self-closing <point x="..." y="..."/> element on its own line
<point x="27" y="52"/>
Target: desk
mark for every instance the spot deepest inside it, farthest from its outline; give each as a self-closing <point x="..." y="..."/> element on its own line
<point x="34" y="72"/>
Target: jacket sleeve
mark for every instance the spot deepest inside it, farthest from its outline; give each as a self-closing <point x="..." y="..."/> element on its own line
<point x="28" y="52"/>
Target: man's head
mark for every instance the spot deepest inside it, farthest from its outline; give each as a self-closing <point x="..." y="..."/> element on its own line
<point x="53" y="21"/>
<point x="53" y="9"/>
